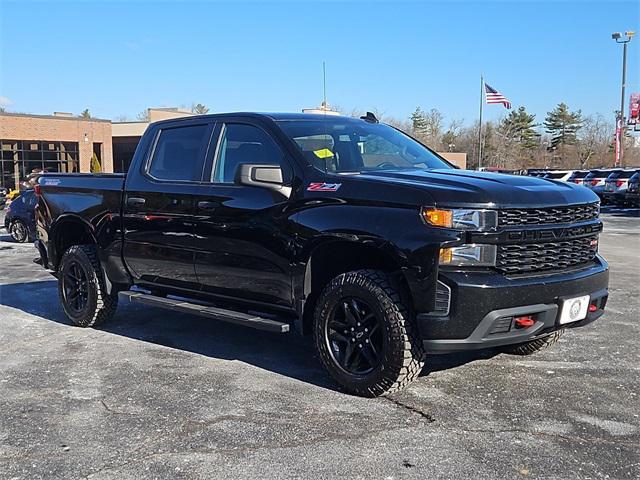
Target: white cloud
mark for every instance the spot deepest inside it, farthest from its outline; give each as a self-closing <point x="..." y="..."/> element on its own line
<point x="5" y="101"/>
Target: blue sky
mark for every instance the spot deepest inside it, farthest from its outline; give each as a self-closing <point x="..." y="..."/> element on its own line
<point x="117" y="58"/>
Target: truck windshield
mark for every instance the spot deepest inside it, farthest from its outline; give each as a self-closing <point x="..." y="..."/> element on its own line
<point x="342" y="145"/>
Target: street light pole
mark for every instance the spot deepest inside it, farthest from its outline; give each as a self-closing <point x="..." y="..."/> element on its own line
<point x="620" y="123"/>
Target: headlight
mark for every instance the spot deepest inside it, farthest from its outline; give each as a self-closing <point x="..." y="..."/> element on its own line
<point x="469" y="255"/>
<point x="461" y="219"/>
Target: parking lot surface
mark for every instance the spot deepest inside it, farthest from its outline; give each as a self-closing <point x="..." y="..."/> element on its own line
<point x="155" y="394"/>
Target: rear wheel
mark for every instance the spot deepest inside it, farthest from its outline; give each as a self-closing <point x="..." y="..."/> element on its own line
<point x="18" y="231"/>
<point x="82" y="289"/>
<point x="534" y="346"/>
<point x="365" y="335"/>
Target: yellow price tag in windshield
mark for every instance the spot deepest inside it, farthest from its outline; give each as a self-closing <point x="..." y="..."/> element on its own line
<point x="323" y="153"/>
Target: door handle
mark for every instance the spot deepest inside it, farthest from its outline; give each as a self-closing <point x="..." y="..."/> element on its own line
<point x="135" y="201"/>
<point x="206" y="205"/>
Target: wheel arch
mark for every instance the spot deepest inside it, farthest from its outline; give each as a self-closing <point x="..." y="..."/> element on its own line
<point x="333" y="257"/>
<point x="69" y="230"/>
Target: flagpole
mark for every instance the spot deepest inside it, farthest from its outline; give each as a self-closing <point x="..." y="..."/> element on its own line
<point x="480" y="124"/>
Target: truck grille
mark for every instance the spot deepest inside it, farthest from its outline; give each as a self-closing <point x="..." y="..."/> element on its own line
<point x="633" y="187"/>
<point x="536" y="257"/>
<point x="540" y="216"/>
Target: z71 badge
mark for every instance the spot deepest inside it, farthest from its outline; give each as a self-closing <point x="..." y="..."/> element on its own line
<point x="323" y="187"/>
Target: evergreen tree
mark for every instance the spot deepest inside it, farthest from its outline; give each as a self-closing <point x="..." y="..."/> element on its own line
<point x="85" y="113"/>
<point x="419" y="123"/>
<point x="199" y="109"/>
<point x="563" y="125"/>
<point x="95" y="164"/>
<point x="519" y="127"/>
<point x="427" y="126"/>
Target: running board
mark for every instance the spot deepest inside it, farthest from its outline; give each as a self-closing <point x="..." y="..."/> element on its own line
<point x="239" y="318"/>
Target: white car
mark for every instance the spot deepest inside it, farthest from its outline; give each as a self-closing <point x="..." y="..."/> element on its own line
<point x="562" y="175"/>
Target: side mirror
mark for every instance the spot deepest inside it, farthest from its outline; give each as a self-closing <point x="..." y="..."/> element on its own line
<point x="265" y="176"/>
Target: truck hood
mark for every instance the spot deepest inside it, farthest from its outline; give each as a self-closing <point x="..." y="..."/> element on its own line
<point x="468" y="188"/>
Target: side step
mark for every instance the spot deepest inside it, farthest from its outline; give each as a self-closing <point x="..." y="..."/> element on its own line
<point x="240" y="318"/>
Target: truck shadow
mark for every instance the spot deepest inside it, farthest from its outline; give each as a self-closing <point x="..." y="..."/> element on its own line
<point x="286" y="354"/>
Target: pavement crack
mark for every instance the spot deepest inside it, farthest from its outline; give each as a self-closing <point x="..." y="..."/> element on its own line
<point x="111" y="410"/>
<point x="427" y="416"/>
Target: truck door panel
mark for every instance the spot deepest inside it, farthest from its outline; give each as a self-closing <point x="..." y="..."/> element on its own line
<point x="242" y="235"/>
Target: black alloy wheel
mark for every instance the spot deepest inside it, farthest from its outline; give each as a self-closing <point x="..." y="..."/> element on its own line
<point x="75" y="288"/>
<point x="354" y="336"/>
<point x="82" y="287"/>
<point x="365" y="335"/>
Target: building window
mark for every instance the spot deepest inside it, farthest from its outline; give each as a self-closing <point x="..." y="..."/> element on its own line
<point x="20" y="158"/>
<point x="123" y="150"/>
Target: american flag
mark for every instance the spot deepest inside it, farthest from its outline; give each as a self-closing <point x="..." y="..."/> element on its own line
<point x="494" y="96"/>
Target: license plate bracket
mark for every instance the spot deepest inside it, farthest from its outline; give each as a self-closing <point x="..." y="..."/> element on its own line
<point x="574" y="309"/>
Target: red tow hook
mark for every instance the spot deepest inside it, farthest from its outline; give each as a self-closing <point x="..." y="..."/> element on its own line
<point x="524" y="322"/>
<point x="593" y="307"/>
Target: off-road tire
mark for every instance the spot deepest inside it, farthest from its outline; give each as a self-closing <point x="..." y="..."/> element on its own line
<point x="100" y="306"/>
<point x="402" y="358"/>
<point x="534" y="346"/>
<point x="19" y="231"/>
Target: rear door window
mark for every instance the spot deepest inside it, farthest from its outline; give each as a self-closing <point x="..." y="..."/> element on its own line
<point x="179" y="153"/>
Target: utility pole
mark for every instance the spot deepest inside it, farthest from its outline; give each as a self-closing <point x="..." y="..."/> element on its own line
<point x="324" y="85"/>
<point x="480" y="124"/>
<point x="620" y="121"/>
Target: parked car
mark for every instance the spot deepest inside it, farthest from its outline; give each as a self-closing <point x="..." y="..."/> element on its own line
<point x="615" y="186"/>
<point x="3" y="197"/>
<point x="596" y="178"/>
<point x="632" y="196"/>
<point x="578" y="177"/>
<point x="19" y="219"/>
<point x="561" y="175"/>
<point x="343" y="228"/>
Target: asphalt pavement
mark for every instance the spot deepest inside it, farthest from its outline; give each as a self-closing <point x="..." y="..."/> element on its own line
<point x="155" y="394"/>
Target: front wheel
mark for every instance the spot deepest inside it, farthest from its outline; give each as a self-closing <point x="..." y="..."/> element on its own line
<point x="82" y="288"/>
<point x="365" y="335"/>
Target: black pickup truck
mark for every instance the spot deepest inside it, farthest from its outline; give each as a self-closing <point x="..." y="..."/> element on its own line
<point x="343" y="228"/>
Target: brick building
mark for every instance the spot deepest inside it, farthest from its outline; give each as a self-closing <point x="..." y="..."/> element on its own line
<point x="51" y="143"/>
<point x="63" y="142"/>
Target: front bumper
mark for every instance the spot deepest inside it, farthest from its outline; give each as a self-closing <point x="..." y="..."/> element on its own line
<point x="483" y="305"/>
<point x="632" y="197"/>
<point x="614" y="197"/>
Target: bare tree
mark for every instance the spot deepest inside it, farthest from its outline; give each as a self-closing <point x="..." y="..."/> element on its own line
<point x="427" y="127"/>
<point x="450" y="137"/>
<point x="143" y="116"/>
<point x="593" y="142"/>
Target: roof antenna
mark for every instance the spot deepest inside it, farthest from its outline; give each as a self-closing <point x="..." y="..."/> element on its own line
<point x="324" y="84"/>
<point x="370" y="117"/>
